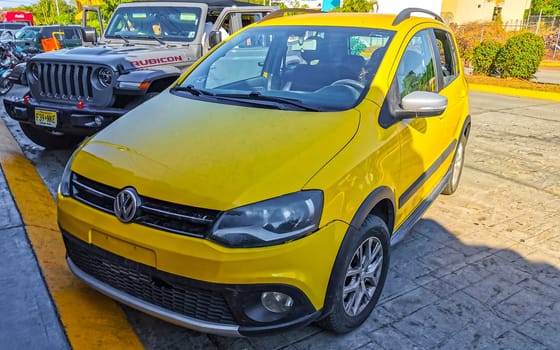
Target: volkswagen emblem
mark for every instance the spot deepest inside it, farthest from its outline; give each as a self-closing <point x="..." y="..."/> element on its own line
<point x="126" y="204"/>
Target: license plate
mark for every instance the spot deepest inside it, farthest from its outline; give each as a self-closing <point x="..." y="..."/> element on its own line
<point x="45" y="118"/>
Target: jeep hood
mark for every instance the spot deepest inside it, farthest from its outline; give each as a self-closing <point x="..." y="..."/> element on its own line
<point x="140" y="56"/>
<point x="213" y="155"/>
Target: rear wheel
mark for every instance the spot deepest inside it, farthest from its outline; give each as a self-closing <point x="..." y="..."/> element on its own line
<point x="456" y="167"/>
<point x="50" y="139"/>
<point x="358" y="277"/>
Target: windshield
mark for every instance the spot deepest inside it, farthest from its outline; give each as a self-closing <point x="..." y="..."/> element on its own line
<point x="316" y="68"/>
<point x="167" y="23"/>
<point x="27" y="33"/>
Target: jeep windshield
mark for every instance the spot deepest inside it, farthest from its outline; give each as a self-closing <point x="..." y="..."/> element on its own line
<point x="300" y="67"/>
<point x="158" y="23"/>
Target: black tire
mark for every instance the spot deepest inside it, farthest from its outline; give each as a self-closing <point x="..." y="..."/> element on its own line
<point x="343" y="311"/>
<point x="138" y="101"/>
<point x="50" y="139"/>
<point x="5" y="86"/>
<point x="456" y="167"/>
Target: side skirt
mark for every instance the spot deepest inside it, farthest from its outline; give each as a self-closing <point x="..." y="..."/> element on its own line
<point x="407" y="225"/>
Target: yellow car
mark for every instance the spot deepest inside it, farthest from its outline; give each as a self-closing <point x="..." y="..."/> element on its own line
<point x="264" y="189"/>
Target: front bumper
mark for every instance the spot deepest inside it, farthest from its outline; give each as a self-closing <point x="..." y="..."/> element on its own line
<point x="201" y="306"/>
<point x="70" y="119"/>
<point x="194" y="282"/>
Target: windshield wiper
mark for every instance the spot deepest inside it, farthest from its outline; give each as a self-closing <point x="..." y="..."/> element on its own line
<point x="126" y="41"/>
<point x="260" y="97"/>
<point x="192" y="90"/>
<point x="159" y="40"/>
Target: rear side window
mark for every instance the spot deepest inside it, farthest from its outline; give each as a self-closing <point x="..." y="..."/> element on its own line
<point x="447" y="56"/>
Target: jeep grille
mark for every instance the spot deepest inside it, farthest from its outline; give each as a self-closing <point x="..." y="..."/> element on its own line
<point x="67" y="82"/>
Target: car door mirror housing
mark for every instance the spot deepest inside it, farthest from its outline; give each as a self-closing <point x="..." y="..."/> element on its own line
<point x="214" y="38"/>
<point x="421" y="104"/>
<point x="89" y="34"/>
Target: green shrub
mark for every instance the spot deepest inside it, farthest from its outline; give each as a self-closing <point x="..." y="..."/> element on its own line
<point x="520" y="57"/>
<point x="484" y="56"/>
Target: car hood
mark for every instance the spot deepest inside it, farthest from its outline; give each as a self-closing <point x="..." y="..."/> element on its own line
<point x="213" y="155"/>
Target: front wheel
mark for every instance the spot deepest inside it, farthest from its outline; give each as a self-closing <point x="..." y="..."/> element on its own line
<point x="50" y="139"/>
<point x="358" y="277"/>
<point x="5" y="86"/>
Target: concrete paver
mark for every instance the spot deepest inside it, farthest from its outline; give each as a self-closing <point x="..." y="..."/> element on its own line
<point x="481" y="270"/>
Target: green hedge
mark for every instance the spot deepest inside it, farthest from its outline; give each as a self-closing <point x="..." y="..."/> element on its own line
<point x="484" y="57"/>
<point x="520" y="57"/>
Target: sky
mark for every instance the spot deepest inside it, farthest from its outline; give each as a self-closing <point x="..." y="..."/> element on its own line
<point x="15" y="3"/>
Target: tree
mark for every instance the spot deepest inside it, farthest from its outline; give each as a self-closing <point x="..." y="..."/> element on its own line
<point x="355" y="6"/>
<point x="45" y="12"/>
<point x="548" y="7"/>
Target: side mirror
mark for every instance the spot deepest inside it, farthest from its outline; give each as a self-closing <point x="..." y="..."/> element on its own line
<point x="89" y="35"/>
<point x="421" y="104"/>
<point x="214" y="38"/>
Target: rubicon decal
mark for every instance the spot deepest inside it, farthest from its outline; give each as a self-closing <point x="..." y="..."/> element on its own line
<point x="158" y="60"/>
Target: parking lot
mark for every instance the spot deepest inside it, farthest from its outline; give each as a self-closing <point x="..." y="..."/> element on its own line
<point x="480" y="270"/>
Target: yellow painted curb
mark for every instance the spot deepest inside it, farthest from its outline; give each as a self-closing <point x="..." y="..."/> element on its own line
<point x="542" y="95"/>
<point x="91" y="320"/>
<point x="550" y="64"/>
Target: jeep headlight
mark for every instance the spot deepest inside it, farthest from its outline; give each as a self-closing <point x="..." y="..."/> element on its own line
<point x="35" y="71"/>
<point x="270" y="222"/>
<point x="105" y="76"/>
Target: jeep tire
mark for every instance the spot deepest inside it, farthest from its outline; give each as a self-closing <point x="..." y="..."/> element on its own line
<point x="49" y="139"/>
<point x="358" y="277"/>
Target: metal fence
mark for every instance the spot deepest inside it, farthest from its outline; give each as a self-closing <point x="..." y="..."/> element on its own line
<point x="548" y="27"/>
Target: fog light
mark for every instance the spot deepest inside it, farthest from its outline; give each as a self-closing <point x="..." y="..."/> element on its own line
<point x="99" y="120"/>
<point x="276" y="302"/>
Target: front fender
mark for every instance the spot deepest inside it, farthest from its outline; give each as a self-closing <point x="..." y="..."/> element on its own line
<point x="17" y="75"/>
<point x="142" y="79"/>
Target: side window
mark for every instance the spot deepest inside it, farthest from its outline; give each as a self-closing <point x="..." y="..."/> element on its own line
<point x="416" y="68"/>
<point x="70" y="34"/>
<point x="448" y="56"/>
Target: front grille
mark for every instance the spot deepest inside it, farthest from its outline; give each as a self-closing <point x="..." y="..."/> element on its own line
<point x="172" y="292"/>
<point x="65" y="81"/>
<point x="154" y="213"/>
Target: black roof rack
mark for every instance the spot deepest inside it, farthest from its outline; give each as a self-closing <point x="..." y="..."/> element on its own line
<point x="404" y="14"/>
<point x="217" y="3"/>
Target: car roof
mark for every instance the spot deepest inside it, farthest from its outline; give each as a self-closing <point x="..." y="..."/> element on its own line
<point x="350" y="19"/>
<point x="53" y="26"/>
<point x="12" y="25"/>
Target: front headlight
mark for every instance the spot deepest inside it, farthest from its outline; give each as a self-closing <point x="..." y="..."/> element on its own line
<point x="35" y="72"/>
<point x="270" y="222"/>
<point x="64" y="187"/>
<point x="105" y="76"/>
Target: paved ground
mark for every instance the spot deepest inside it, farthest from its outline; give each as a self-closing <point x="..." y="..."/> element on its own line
<point x="480" y="270"/>
<point x="548" y="75"/>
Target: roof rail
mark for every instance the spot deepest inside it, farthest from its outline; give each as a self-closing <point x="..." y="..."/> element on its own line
<point x="404" y="14"/>
<point x="289" y="11"/>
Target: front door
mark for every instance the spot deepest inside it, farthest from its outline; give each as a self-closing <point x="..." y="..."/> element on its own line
<point x="427" y="142"/>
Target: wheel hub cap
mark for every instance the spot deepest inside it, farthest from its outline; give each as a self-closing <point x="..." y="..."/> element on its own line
<point x="362" y="276"/>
